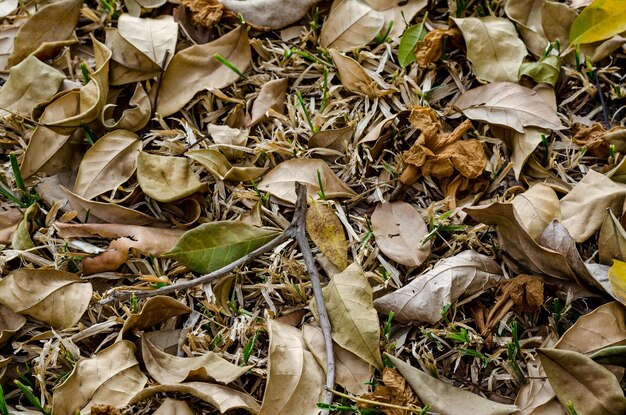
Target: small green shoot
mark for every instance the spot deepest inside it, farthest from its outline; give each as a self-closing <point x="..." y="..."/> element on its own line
<point x="440" y="224"/>
<point x="618" y="92"/>
<point x="4" y="409"/>
<point x="247" y="350"/>
<point x="324" y="90"/>
<point x="320" y="193"/>
<point x="306" y="111"/>
<point x="90" y="136"/>
<point x="229" y="65"/>
<point x="216" y="342"/>
<point x="85" y="72"/>
<point x="570" y="408"/>
<point x="31" y="398"/>
<point x="19" y="182"/>
<point x="444" y="313"/>
<point x="459" y="335"/>
<point x="612" y="152"/>
<point x="461" y="5"/>
<point x="514" y="352"/>
<point x="315" y="19"/>
<point x="380" y="39"/>
<point x="134" y="303"/>
<point x="387" y="328"/>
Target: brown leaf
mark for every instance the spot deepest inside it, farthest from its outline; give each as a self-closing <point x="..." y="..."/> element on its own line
<point x="356" y="79"/>
<point x="104" y="410"/>
<point x="155" y="310"/>
<point x="592" y="138"/>
<point x="219" y="166"/>
<point x="399" y="230"/>
<point x="270" y="14"/>
<point x="174" y="407"/>
<point x="537" y="208"/>
<point x="351" y="24"/>
<point x="395" y="392"/>
<point x="327" y="233"/>
<point x="611" y="240"/>
<point x="166" y="178"/>
<point x="205" y="12"/>
<point x="9" y="219"/>
<point x="271" y="98"/>
<point x="526" y="291"/>
<point x="128" y="64"/>
<point x="336" y="140"/>
<point x="428" y="50"/>
<point x="156" y="38"/>
<point x="400" y="12"/>
<point x="133" y="118"/>
<point x="10" y="323"/>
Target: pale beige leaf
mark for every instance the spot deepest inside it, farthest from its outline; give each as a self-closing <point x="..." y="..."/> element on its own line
<point x="195" y="69"/>
<point x="536" y="208"/>
<point x="169" y="369"/>
<point x="400" y="230"/>
<point x="154" y="37"/>
<point x="29" y="83"/>
<point x="270" y="14"/>
<point x="509" y="105"/>
<point x="132" y="119"/>
<point x="584" y="208"/>
<point x="537" y="397"/>
<point x="166" y="178"/>
<point x="527" y="15"/>
<point x="352" y="372"/>
<point x="522" y="145"/>
<point x="611" y="240"/>
<point x="7" y="7"/>
<point x="53" y="22"/>
<point x="219" y="166"/>
<point x="105" y="212"/>
<point x="399" y="11"/>
<point x="7" y="41"/>
<point x="423" y="298"/>
<point x="111" y="377"/>
<point x="281" y="181"/>
<point x="107" y="164"/>
<point x="353" y="319"/>
<point x="174" y="407"/>
<point x="332" y="139"/>
<point x="445" y="399"/>
<point x="576" y="379"/>
<point x="55" y="297"/>
<point x="228" y="140"/>
<point x="10" y="323"/>
<point x="295" y="381"/>
<point x="493" y="47"/>
<point x="353" y="76"/>
<point x="327" y="233"/>
<point x="128" y="64"/>
<point x="271" y="97"/>
<point x="155" y="310"/>
<point x="556" y="21"/>
<point x="221" y="397"/>
<point x="9" y="219"/>
<point x="351" y="24"/>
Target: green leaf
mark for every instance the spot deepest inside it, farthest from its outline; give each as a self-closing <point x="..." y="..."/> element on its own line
<point x="212" y="246"/>
<point x="409" y="40"/>
<point x="600" y="20"/>
<point x="612" y="355"/>
<point x="545" y="70"/>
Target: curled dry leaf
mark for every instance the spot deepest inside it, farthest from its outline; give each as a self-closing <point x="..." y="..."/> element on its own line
<point x="336" y="140"/>
<point x="353" y="373"/>
<point x="174" y="407"/>
<point x="221" y="397"/>
<point x="132" y="119"/>
<point x="212" y="246"/>
<point x="111" y="377"/>
<point x="295" y="380"/>
<point x="155" y="310"/>
<point x="527" y="15"/>
<point x="156" y="38"/>
<point x="611" y="240"/>
<point x="493" y="47"/>
<point x="446" y="399"/>
<point x="166" y="178"/>
<point x="271" y="98"/>
<point x="55" y="297"/>
<point x="423" y="298"/>
<point x="327" y="233"/>
<point x="281" y="181"/>
<point x="578" y="380"/>
<point x="356" y="79"/>
<point x="29" y="83"/>
<point x="270" y="14"/>
<point x="195" y="69"/>
<point x="10" y="323"/>
<point x="526" y="292"/>
<point x="107" y="164"/>
<point x="351" y="24"/>
<point x="400" y="12"/>
<point x="395" y="391"/>
<point x="400" y="231"/>
<point x="228" y="139"/>
<point x="537" y="208"/>
<point x="21" y="239"/>
<point x="521" y="145"/>
<point x="219" y="166"/>
<point x="353" y="319"/>
<point x="508" y="105"/>
<point x="168" y="369"/>
<point x="198" y="15"/>
<point x="556" y="20"/>
<point x="53" y="22"/>
<point x="128" y="64"/>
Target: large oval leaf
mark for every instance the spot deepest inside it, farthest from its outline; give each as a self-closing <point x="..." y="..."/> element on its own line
<point x="212" y="246"/>
<point x="350" y="25"/>
<point x="598" y="21"/>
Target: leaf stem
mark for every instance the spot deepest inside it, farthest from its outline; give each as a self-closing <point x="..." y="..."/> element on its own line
<point x="376" y="403"/>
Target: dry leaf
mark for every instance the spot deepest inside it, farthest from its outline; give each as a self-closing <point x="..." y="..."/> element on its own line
<point x="7" y="7"/>
<point x="351" y="24"/>
<point x="53" y="22"/>
<point x="526" y="292"/>
<point x="155" y="310"/>
<point x="336" y="140"/>
<point x="107" y="164"/>
<point x="168" y="369"/>
<point x="133" y="118"/>
<point x="229" y="140"/>
<point x="270" y="14"/>
<point x="156" y="38"/>
<point x="111" y="377"/>
<point x="527" y="15"/>
<point x="9" y="219"/>
<point x="219" y="166"/>
<point x="353" y="373"/>
<point x="11" y="323"/>
<point x="21" y="239"/>
<point x="584" y="208"/>
<point x="195" y="69"/>
<point x="522" y="145"/>
<point x="128" y="64"/>
<point x="395" y="392"/>
<point x="29" y="83"/>
<point x="576" y="379"/>
<point x="39" y="292"/>
<point x="592" y="138"/>
<point x="204" y="12"/>
<point x="399" y="11"/>
<point x="493" y="47"/>
<point x="400" y="231"/>
<point x="354" y="78"/>
<point x="445" y="399"/>
<point x="327" y="233"/>
<point x="537" y="396"/>
<point x="271" y="97"/>
<point x="428" y="50"/>
<point x="294" y="380"/>
<point x="423" y="298"/>
<point x="281" y="180"/>
<point x="166" y="178"/>
<point x="174" y="407"/>
<point x="611" y="240"/>
<point x="508" y="105"/>
<point x="536" y="208"/>
<point x="353" y="319"/>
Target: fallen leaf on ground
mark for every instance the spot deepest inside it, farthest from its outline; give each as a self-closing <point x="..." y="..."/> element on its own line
<point x="598" y="21"/>
<point x="166" y="178"/>
<point x="133" y="118"/>
<point x="400" y="231"/>
<point x="295" y="380"/>
<point x="10" y="323"/>
<point x="537" y="208"/>
<point x="270" y="14"/>
<point x="408" y="42"/>
<point x="617" y="279"/>
<point x="327" y="233"/>
<point x="355" y="78"/>
<point x="522" y="145"/>
<point x="592" y="138"/>
<point x="400" y="12"/>
<point x="156" y="38"/>
<point x="128" y="64"/>
<point x="205" y="13"/>
<point x="218" y="165"/>
<point x="271" y="99"/>
<point x="423" y="298"/>
<point x="395" y="392"/>
<point x="21" y="239"/>
<point x="174" y="407"/>
<point x="526" y="292"/>
<point x="611" y="240"/>
<point x="351" y="24"/>
<point x="527" y="15"/>
<point x="111" y="377"/>
<point x="37" y="293"/>
<point x="155" y="310"/>
<point x="9" y="219"/>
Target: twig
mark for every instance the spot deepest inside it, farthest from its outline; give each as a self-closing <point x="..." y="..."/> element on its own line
<point x="376" y="403"/>
<point x="605" y="113"/>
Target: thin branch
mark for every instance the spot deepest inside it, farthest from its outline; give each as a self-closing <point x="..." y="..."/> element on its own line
<point x="377" y="403"/>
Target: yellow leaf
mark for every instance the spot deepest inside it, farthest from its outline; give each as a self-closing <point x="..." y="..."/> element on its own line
<point x="617" y="279"/>
<point x="326" y="231"/>
<point x="598" y="21"/>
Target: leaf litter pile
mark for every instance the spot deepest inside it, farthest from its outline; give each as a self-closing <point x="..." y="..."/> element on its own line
<point x="294" y="207"/>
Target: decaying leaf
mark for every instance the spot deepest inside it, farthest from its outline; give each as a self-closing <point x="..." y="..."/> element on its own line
<point x="37" y="293"/>
<point x="165" y="178"/>
<point x="205" y="13"/>
<point x="111" y="377"/>
<point x="295" y="380"/>
<point x="526" y="292"/>
<point x="168" y="369"/>
<point x="537" y="208"/>
<point x="134" y="118"/>
<point x="351" y="24"/>
<point x="493" y="47"/>
<point x="400" y="231"/>
<point x="577" y="379"/>
<point x="9" y="220"/>
<point x="522" y="145"/>
<point x="216" y="163"/>
<point x="353" y="373"/>
<point x="155" y="310"/>
<point x="546" y="70"/>
<point x="281" y="181"/>
<point x="270" y="14"/>
<point x="212" y="246"/>
<point x="445" y="398"/>
<point x="428" y="50"/>
<point x="423" y="298"/>
<point x="21" y="238"/>
<point x="336" y="140"/>
<point x="10" y="323"/>
<point x="355" y="78"/>
<point x="327" y="233"/>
